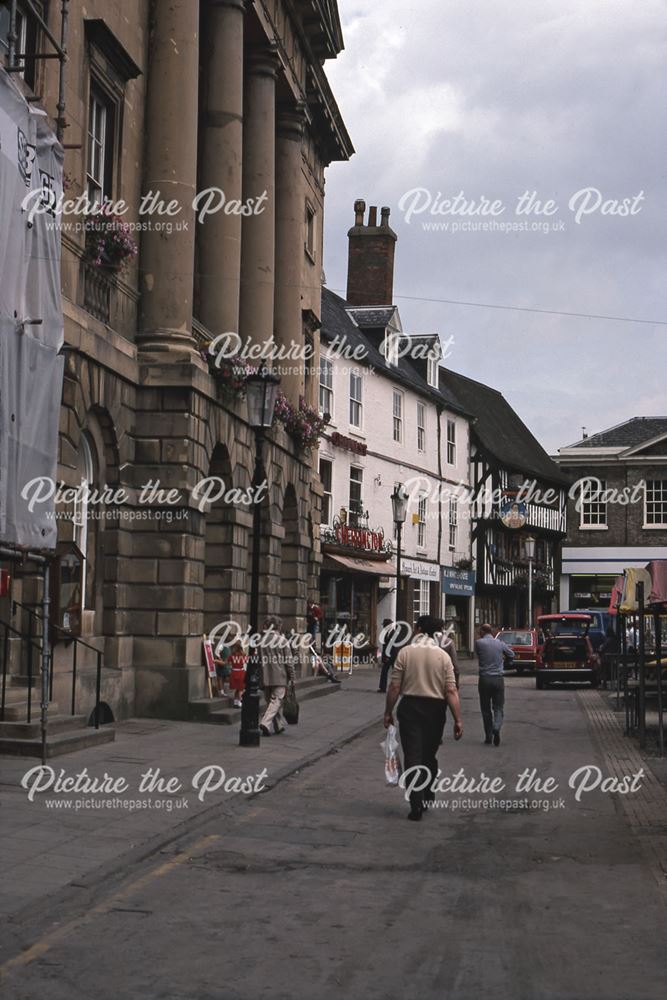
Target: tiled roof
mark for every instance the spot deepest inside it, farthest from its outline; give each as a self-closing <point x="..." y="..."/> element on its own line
<point x="337" y="322"/>
<point x="632" y="432"/>
<point x="500" y="430"/>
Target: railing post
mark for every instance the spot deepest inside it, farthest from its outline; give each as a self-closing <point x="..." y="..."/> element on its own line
<point x="5" y="645"/>
<point x="74" y="651"/>
<point x="44" y="703"/>
<point x="29" y="712"/>
<point x="97" y="691"/>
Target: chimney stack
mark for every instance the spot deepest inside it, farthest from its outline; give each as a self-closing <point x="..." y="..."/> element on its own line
<point x="370" y="264"/>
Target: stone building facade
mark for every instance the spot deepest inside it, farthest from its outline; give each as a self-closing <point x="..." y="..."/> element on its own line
<point x="178" y="98"/>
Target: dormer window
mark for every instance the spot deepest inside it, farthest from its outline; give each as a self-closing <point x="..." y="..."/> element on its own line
<point x="390" y="347"/>
<point x="432" y="370"/>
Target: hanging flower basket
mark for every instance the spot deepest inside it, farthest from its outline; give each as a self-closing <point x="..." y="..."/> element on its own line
<point x="230" y="375"/>
<point x="108" y="241"/>
<point x="302" y="423"/>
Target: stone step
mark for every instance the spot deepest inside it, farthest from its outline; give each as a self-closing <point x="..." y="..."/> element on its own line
<point x="58" y="744"/>
<point x="215" y="711"/>
<point x="16" y="707"/>
<point x="32" y="730"/>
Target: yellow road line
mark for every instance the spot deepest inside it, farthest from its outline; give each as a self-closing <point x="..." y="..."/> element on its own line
<point x="41" y="947"/>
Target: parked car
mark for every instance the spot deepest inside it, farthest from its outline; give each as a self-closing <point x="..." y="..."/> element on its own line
<point x="527" y="645"/>
<point x="601" y="621"/>
<point x="568" y="653"/>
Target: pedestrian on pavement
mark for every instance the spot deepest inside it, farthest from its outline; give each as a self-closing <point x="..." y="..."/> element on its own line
<point x="314" y="617"/>
<point x="491" y="654"/>
<point x="238" y="661"/>
<point x="423" y="677"/>
<point x="388" y="653"/>
<point x="321" y="665"/>
<point x="446" y="641"/>
<point x="277" y="665"/>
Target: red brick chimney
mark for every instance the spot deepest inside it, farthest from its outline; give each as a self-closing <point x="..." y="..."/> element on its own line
<point x="370" y="262"/>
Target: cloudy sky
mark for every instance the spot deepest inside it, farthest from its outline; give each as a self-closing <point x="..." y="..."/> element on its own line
<point x="494" y="99"/>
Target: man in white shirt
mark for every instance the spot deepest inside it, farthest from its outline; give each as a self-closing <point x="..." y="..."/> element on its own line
<point x="423" y="677"/>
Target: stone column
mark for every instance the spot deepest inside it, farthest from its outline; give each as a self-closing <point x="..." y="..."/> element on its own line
<point x="290" y="237"/>
<point x="258" y="237"/>
<point x="219" y="235"/>
<point x="167" y="261"/>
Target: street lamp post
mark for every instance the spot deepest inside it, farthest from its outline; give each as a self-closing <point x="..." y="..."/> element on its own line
<point x="399" y="503"/>
<point x="261" y="393"/>
<point x="530" y="555"/>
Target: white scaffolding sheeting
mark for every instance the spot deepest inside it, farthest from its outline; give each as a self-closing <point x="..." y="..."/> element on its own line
<point x="31" y="319"/>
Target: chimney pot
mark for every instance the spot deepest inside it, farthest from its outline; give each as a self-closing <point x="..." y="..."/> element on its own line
<point x="359" y="209"/>
<point x="373" y="216"/>
<point x="384" y="216"/>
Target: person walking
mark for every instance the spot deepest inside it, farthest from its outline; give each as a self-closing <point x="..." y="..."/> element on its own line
<point x="423" y="677"/>
<point x="238" y="661"/>
<point x="388" y="653"/>
<point x="277" y="665"/>
<point x="491" y="654"/>
<point x="445" y="640"/>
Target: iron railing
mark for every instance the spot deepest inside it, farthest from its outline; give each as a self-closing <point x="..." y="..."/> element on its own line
<point x="34" y="616"/>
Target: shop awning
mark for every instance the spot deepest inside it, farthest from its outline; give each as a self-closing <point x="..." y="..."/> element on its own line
<point x="658" y="571"/>
<point x="351" y="564"/>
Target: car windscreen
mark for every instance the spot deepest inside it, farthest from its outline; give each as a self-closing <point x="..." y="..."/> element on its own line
<point x="516" y="638"/>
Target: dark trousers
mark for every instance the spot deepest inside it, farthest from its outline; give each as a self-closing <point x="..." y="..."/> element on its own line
<point x="421" y="722"/>
<point x="492" y="703"/>
<point x="384" y="674"/>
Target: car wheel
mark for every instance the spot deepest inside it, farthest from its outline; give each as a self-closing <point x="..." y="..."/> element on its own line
<point x="519" y="671"/>
<point x="595" y="681"/>
<point x="539" y="683"/>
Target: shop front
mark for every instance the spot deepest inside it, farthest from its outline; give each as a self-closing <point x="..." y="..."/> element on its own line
<point x="421" y="589"/>
<point x="356" y="575"/>
<point x="458" y="591"/>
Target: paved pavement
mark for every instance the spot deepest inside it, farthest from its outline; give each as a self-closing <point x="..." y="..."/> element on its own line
<point x="60" y="838"/>
<point x="320" y="888"/>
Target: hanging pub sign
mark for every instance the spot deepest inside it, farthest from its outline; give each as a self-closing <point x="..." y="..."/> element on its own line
<point x="512" y="513"/>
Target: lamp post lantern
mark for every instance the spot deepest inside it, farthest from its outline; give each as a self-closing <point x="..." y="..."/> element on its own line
<point x="261" y="394"/>
<point x="399" y="503"/>
<point x="530" y="555"/>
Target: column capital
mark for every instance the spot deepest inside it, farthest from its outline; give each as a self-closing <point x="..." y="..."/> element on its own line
<point x="263" y="61"/>
<point x="291" y="120"/>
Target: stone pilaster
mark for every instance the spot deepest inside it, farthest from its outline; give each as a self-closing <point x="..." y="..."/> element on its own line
<point x="167" y="260"/>
<point x="221" y="143"/>
<point x="258" y="237"/>
<point x="290" y="236"/>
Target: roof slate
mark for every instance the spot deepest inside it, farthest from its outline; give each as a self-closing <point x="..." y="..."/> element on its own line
<point x="500" y="430"/>
<point x="337" y="323"/>
<point x="632" y="432"/>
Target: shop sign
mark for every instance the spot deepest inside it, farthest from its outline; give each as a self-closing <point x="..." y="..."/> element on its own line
<point x="359" y="538"/>
<point x="348" y="443"/>
<point x="419" y="570"/>
<point x="458" y="581"/>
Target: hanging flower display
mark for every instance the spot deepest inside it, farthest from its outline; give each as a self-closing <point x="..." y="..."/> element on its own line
<point x="231" y="375"/>
<point x="108" y="241"/>
<point x="302" y="423"/>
